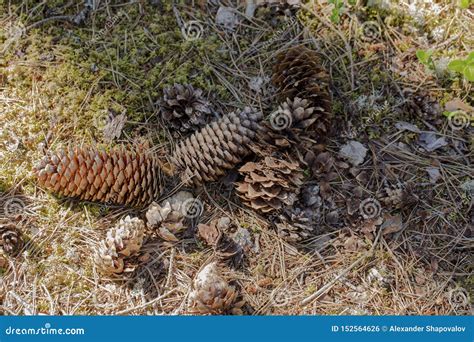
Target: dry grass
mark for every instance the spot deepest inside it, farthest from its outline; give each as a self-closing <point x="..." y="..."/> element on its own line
<point x="50" y="97"/>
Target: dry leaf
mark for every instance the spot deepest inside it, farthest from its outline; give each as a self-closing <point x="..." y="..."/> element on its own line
<point x="209" y="233"/>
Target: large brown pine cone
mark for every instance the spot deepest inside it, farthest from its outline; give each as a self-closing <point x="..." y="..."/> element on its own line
<point x="270" y="183"/>
<point x="122" y="241"/>
<point x="184" y="108"/>
<point x="212" y="294"/>
<point x="206" y="155"/>
<point x="298" y="73"/>
<point x="121" y="176"/>
<point x="10" y="239"/>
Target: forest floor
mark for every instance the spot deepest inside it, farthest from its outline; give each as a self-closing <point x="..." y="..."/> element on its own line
<point x="66" y="72"/>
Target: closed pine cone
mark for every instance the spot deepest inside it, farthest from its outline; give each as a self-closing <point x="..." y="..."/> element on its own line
<point x="10" y="239"/>
<point x="122" y="241"/>
<point x="122" y="177"/>
<point x="206" y="155"/>
<point x="212" y="294"/>
<point x="298" y="73"/>
<point x="184" y="108"/>
<point x="270" y="183"/>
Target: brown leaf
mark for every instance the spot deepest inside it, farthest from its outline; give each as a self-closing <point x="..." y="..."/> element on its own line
<point x="392" y="224"/>
<point x="209" y="233"/>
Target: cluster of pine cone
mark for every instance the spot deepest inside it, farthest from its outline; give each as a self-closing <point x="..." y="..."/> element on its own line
<point x="269" y="183"/>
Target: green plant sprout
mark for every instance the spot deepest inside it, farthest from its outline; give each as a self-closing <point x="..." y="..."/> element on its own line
<point x="338" y="6"/>
<point x="465" y="67"/>
<point x="425" y="58"/>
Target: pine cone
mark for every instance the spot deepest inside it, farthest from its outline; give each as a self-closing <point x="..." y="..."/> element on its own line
<point x="208" y="154"/>
<point x="295" y="225"/>
<point x="270" y="184"/>
<point x="10" y="239"/>
<point x="420" y="105"/>
<point x="298" y="73"/>
<point x="184" y="108"/>
<point x="295" y="120"/>
<point x="212" y="294"/>
<point x="216" y="235"/>
<point x="122" y="241"/>
<point x="122" y="177"/>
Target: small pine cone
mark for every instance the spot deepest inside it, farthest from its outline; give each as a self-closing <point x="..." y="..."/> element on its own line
<point x="297" y="120"/>
<point x="122" y="241"/>
<point x="421" y="105"/>
<point x="270" y="184"/>
<point x="166" y="221"/>
<point x="298" y="73"/>
<point x="295" y="225"/>
<point x="206" y="155"/>
<point x="184" y="108"/>
<point x="212" y="294"/>
<point x="392" y="196"/>
<point x="122" y="177"/>
<point x="10" y="239"/>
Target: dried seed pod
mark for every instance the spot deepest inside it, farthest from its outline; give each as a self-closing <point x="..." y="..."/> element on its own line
<point x="122" y="241"/>
<point x="206" y="155"/>
<point x="212" y="294"/>
<point x="123" y="177"/>
<point x="10" y="239"/>
<point x="270" y="183"/>
<point x="184" y="108"/>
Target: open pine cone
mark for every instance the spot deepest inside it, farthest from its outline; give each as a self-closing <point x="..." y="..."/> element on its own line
<point x="122" y="241"/>
<point x="212" y="294"/>
<point x="206" y="155"/>
<point x="184" y="108"/>
<point x="270" y="183"/>
<point x="295" y="120"/>
<point x="167" y="219"/>
<point x="120" y="176"/>
<point x="298" y="73"/>
<point x="10" y="239"/>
